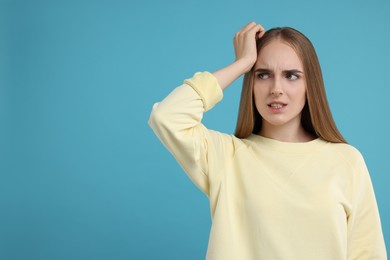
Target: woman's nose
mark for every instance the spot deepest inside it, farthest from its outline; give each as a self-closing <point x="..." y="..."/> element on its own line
<point x="276" y="92"/>
<point x="276" y="88"/>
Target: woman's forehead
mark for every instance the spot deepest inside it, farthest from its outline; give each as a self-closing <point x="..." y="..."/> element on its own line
<point x="278" y="54"/>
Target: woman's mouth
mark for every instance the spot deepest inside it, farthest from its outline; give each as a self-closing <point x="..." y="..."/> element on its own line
<point x="276" y="107"/>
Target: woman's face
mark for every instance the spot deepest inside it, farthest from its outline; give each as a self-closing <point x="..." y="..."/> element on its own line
<point x="279" y="86"/>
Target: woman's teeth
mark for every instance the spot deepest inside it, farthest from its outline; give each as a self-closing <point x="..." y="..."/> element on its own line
<point x="276" y="105"/>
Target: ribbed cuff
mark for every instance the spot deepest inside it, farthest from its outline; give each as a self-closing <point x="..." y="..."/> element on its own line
<point x="207" y="87"/>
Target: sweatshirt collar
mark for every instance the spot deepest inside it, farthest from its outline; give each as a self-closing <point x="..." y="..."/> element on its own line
<point x="287" y="147"/>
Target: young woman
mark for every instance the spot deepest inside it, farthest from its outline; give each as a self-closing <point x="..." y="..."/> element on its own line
<point x="286" y="185"/>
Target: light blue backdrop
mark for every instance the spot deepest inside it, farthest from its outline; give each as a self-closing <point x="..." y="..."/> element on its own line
<point x="82" y="175"/>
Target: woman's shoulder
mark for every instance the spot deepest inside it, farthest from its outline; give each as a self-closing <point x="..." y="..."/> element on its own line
<point x="347" y="152"/>
<point x="345" y="148"/>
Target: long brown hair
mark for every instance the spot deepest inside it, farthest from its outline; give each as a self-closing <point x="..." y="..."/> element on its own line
<point x="316" y="117"/>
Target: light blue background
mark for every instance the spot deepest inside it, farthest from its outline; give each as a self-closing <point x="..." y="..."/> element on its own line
<point x="82" y="176"/>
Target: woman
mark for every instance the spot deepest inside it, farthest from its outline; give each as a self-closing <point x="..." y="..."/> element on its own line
<point x="286" y="185"/>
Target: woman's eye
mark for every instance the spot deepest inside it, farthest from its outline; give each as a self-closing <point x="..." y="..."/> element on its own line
<point x="292" y="76"/>
<point x="263" y="75"/>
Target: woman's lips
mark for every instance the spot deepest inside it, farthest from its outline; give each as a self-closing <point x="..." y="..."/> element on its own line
<point x="276" y="107"/>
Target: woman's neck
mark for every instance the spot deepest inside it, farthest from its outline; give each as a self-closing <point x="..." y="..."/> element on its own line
<point x="286" y="133"/>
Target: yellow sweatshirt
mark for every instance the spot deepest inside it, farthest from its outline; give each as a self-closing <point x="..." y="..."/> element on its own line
<point x="269" y="199"/>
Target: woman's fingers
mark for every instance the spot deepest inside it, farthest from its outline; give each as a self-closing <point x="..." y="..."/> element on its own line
<point x="254" y="31"/>
<point x="247" y="27"/>
<point x="261" y="32"/>
<point x="250" y="27"/>
<point x="251" y="30"/>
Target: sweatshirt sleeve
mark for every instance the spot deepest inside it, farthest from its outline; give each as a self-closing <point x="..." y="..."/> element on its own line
<point x="365" y="237"/>
<point x="176" y="121"/>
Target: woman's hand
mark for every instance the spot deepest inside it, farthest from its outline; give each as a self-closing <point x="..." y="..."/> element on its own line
<point x="246" y="54"/>
<point x="245" y="44"/>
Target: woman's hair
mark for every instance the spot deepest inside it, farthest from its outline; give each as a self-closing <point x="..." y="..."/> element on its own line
<point x="316" y="117"/>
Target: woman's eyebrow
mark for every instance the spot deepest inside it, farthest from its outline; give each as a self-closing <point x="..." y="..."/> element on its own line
<point x="293" y="71"/>
<point x="264" y="70"/>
